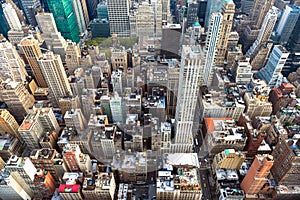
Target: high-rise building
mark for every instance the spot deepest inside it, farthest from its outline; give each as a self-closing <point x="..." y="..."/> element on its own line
<point x="92" y="8"/>
<point x="30" y="8"/>
<point x="73" y="55"/>
<point x="32" y="52"/>
<point x="258" y="174"/>
<point x="55" y="75"/>
<point x="102" y="12"/>
<point x="212" y="7"/>
<point x="117" y="109"/>
<point x="271" y="73"/>
<point x="118" y="14"/>
<point x="8" y="124"/>
<point x="228" y="11"/>
<point x="202" y="9"/>
<point x="169" y="48"/>
<point x="259" y="11"/>
<point x="11" y="64"/>
<point x="192" y="12"/>
<point x="286" y="166"/>
<point x="23" y="171"/>
<point x="166" y="14"/>
<point x="10" y="189"/>
<point x="241" y="70"/>
<point x="4" y="26"/>
<point x="211" y="46"/>
<point x="75" y="119"/>
<point x="78" y="11"/>
<point x="65" y="18"/>
<point x="47" y="119"/>
<point x="287" y="23"/>
<point x="53" y="39"/>
<point x="17" y="98"/>
<point x="257" y="105"/>
<point x="191" y="71"/>
<point x="11" y="17"/>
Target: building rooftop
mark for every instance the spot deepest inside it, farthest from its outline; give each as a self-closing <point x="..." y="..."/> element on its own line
<point x="226" y="174"/>
<point x="64" y="188"/>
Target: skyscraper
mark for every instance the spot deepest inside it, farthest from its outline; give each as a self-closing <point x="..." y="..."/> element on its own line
<point x="11" y="64"/>
<point x="65" y="18"/>
<point x="228" y="11"/>
<point x="287" y="23"/>
<point x="30" y="8"/>
<point x="191" y="71"/>
<point x="11" y="16"/>
<point x="259" y="11"/>
<point x="118" y="14"/>
<point x="271" y="73"/>
<point x="32" y="52"/>
<point x="212" y="7"/>
<point x="4" y="26"/>
<point x="55" y="75"/>
<point x="211" y="46"/>
<point x="8" y="124"/>
<point x="258" y="174"/>
<point x="91" y="7"/>
<point x="77" y="7"/>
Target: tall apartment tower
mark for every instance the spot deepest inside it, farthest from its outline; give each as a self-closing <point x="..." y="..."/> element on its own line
<point x="228" y="13"/>
<point x="55" y="76"/>
<point x="8" y="124"/>
<point x="118" y="14"/>
<point x="65" y="18"/>
<point x="211" y="46"/>
<point x="287" y="23"/>
<point x="271" y="73"/>
<point x="32" y="52"/>
<point x="259" y="11"/>
<point x="17" y="98"/>
<point x="11" y="16"/>
<point x="11" y="64"/>
<point x="258" y="174"/>
<point x="30" y="7"/>
<point x="192" y="67"/>
<point x="77" y="7"/>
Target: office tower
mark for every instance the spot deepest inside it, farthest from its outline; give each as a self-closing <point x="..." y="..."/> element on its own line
<point x="53" y="39"/>
<point x="77" y="8"/>
<point x="11" y="17"/>
<point x="4" y="26"/>
<point x="192" y="11"/>
<point x="147" y="20"/>
<point x="258" y="174"/>
<point x="259" y="51"/>
<point x="44" y="159"/>
<point x="118" y="15"/>
<point x="11" y="64"/>
<point x="286" y="161"/>
<point x="30" y="8"/>
<point x="166" y="14"/>
<point x="271" y="73"/>
<point x="31" y="131"/>
<point x="47" y="118"/>
<point x="100" y="28"/>
<point x="192" y="67"/>
<point x="202" y="9"/>
<point x="65" y="18"/>
<point x="8" y="124"/>
<point x="241" y="71"/>
<point x="23" y="171"/>
<point x="212" y="7"/>
<point x="73" y="55"/>
<point x="117" y="111"/>
<point x="228" y="13"/>
<point x="287" y="23"/>
<point x="32" y="52"/>
<point x="10" y="189"/>
<point x="17" y="98"/>
<point x="259" y="11"/>
<point x="55" y="75"/>
<point x="246" y="6"/>
<point x="211" y="46"/>
<point x="92" y="8"/>
<point x="102" y="12"/>
<point x="85" y="12"/>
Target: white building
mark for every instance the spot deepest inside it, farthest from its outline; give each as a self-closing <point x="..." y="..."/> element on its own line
<point x="117" y="109"/>
<point x="192" y="67"/>
<point x="241" y="70"/>
<point x="11" y="17"/>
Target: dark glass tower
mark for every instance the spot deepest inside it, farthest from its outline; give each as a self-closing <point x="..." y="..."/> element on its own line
<point x="92" y="8"/>
<point x="4" y="27"/>
<point x="65" y="19"/>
